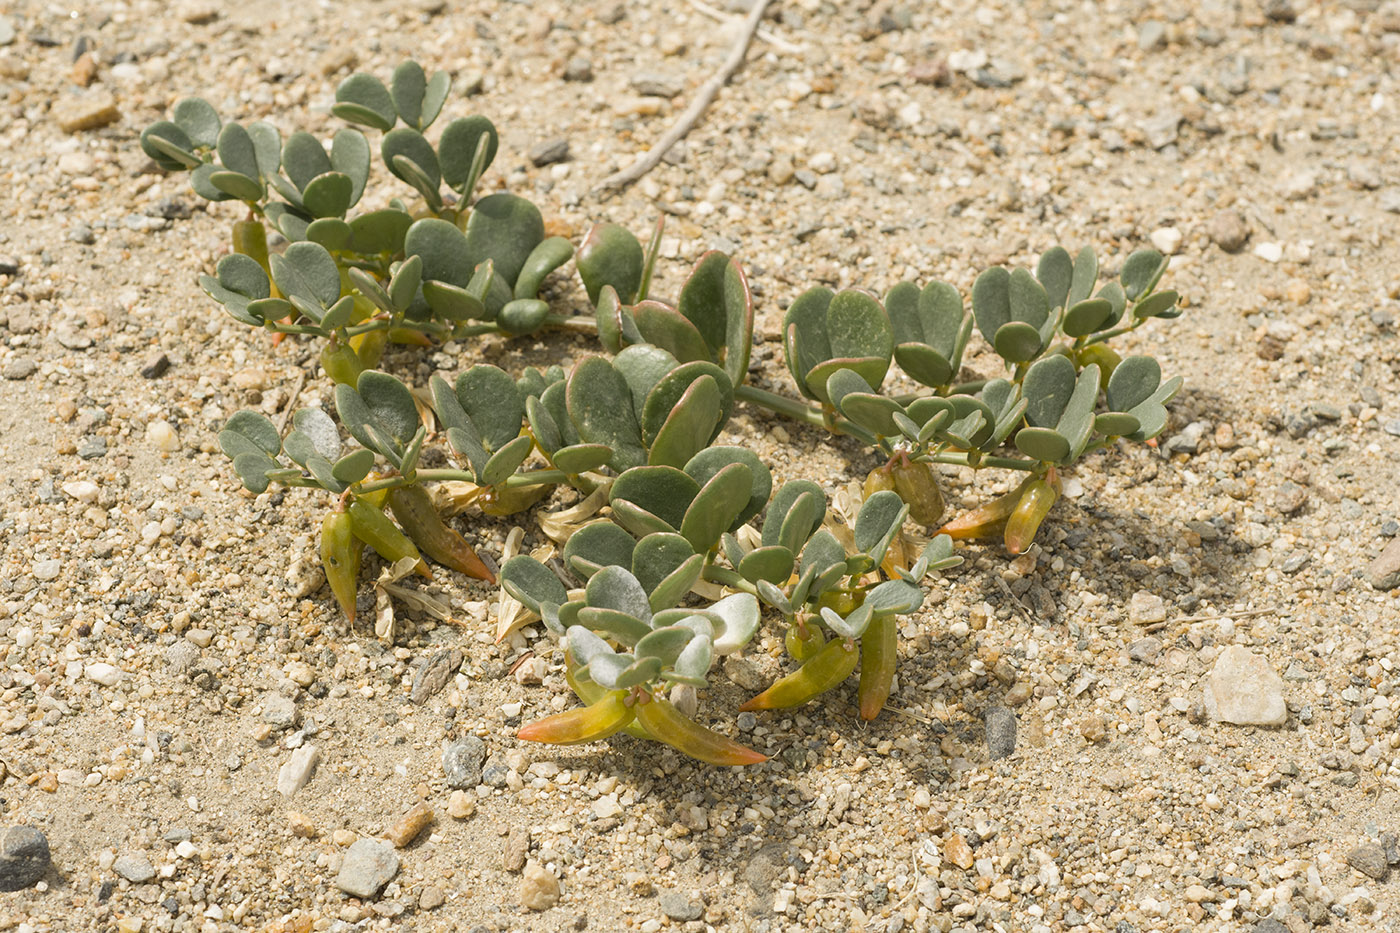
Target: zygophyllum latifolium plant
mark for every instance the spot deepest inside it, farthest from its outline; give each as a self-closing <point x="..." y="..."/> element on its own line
<point x="641" y="408"/>
<point x="1065" y="392"/>
<point x="672" y="528"/>
<point x="443" y="267"/>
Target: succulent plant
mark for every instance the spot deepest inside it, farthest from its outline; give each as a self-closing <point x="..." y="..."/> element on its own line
<point x="448" y="268"/>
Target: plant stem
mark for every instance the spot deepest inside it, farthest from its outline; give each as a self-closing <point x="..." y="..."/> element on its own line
<point x="277" y="327"/>
<point x="801" y="411"/>
<point x="518" y="481"/>
<point x="726" y="577"/>
<point x="1116" y="332"/>
<point x="1005" y="463"/>
<point x="574" y="323"/>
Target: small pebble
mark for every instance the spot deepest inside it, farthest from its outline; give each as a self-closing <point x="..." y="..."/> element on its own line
<point x="297" y="770"/>
<point x="539" y="889"/>
<point x="367" y="867"/>
<point x="410" y="825"/>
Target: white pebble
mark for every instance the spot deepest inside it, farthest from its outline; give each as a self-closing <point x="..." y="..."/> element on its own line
<point x="82" y="490"/>
<point x="185" y="849"/>
<point x="293" y="775"/>
<point x="163" y="436"/>
<point x="1269" y="252"/>
<point x="150" y="532"/>
<point x="100" y="672"/>
<point x="1166" y="240"/>
<point x="47" y="569"/>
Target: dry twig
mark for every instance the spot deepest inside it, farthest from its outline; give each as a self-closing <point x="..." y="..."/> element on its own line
<point x="767" y="35"/>
<point x="703" y="98"/>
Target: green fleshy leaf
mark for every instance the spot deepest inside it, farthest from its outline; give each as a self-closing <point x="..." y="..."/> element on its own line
<point x="237" y="185"/>
<point x="407" y="88"/>
<point x="488" y="397"/>
<point x="381" y="231"/>
<point x="506" y="461"/>
<point x="596" y="394"/>
<point x="773" y="564"/>
<point x="1048" y="385"/>
<point x="404" y="143"/>
<point x="991" y="301"/>
<point x="1056" y="273"/>
<point x="710" y="461"/>
<point x="303" y="158"/>
<point x="457" y="148"/>
<point x="236" y="151"/>
<point x="531" y="582"/>
<point x="443" y="248"/>
<point x="1017" y="342"/>
<point x="1045" y="444"/>
<point x="858" y="328"/>
<point x="597" y="545"/>
<point x="1133" y="382"/>
<point x="665" y="327"/>
<point x="549" y="255"/>
<point x="505" y="229"/>
<point x="877" y="523"/>
<point x="1086" y="317"/>
<point x="389" y="402"/>
<point x="199" y="121"/>
<point x="805" y="341"/>
<point x="354" y="466"/>
<point x="1141" y="273"/>
<point x="716" y="506"/>
<point x="690" y="424"/>
<point x="250" y="432"/>
<point x="328" y="195"/>
<point x="363" y="98"/>
<point x="350" y="157"/>
<point x="307" y="271"/>
<point x="663" y="491"/>
<point x="617" y="589"/>
<point x="610" y="256"/>
<point x="783" y="502"/>
<point x="1086" y="275"/>
<point x="523" y="316"/>
<point x="330" y="232"/>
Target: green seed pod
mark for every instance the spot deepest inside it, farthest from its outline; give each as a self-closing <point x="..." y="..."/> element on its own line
<point x="340" y="558"/>
<point x="917" y="484"/>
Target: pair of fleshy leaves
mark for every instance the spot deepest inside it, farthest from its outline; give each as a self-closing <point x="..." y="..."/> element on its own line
<point x="465" y="149"/>
<point x="712" y="321"/>
<point x="931" y="331"/>
<point x="379" y="411"/>
<point x="965" y="421"/>
<point x="1060" y="414"/>
<point x="305" y="273"/>
<point x="250" y="439"/>
<point x="246" y="156"/>
<point x="717" y="491"/>
<point x="666" y="643"/>
<point x="792" y="527"/>
<point x="642" y="407"/>
<point x="482" y="413"/>
<point x="505" y="231"/>
<point x="825" y="332"/>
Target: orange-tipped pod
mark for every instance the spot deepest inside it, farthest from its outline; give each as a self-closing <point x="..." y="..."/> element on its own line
<point x="606" y="716"/>
<point x="667" y="724"/>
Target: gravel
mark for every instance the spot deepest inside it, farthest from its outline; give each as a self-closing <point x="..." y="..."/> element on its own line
<point x="935" y="169"/>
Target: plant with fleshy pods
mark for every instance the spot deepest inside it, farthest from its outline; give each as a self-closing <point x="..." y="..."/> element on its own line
<point x="629" y="645"/>
<point x="444" y="268"/>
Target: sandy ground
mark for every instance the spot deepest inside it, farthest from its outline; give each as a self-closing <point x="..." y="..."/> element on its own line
<point x="161" y="657"/>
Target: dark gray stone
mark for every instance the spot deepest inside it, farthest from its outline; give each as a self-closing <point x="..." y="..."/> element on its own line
<point x="24" y="857"/>
<point x="578" y="68"/>
<point x="462" y="762"/>
<point x="1001" y="732"/>
<point x="92" y="447"/>
<point x="434" y="674"/>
